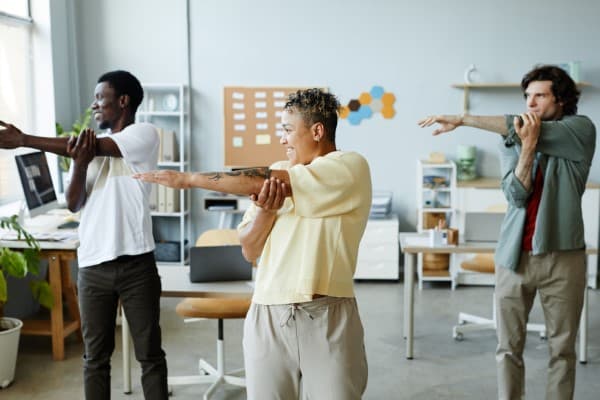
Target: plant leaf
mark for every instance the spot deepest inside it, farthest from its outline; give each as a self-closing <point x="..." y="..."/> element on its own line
<point x="32" y="257"/>
<point x="42" y="293"/>
<point x="3" y="289"/>
<point x="13" y="263"/>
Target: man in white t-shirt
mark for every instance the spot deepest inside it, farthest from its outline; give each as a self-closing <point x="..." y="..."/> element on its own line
<point x="115" y="256"/>
<point x="308" y="217"/>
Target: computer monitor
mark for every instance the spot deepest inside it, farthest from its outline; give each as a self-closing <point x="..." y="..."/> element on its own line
<point x="36" y="182"/>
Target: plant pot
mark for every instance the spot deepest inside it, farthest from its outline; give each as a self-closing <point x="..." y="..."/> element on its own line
<point x="10" y="330"/>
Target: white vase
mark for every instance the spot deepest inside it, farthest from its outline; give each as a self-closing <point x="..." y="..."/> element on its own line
<point x="10" y="330"/>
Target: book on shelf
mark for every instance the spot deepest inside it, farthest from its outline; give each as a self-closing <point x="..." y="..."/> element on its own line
<point x="162" y="198"/>
<point x="169" y="146"/>
<point x="153" y="199"/>
<point x="172" y="200"/>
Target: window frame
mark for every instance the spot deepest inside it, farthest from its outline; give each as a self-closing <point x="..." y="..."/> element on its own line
<point x="19" y="19"/>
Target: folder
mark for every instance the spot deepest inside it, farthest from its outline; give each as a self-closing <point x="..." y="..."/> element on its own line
<point x="172" y="200"/>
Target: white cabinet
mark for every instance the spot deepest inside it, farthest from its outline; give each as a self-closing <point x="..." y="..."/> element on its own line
<point x="378" y="251"/>
<point x="167" y="107"/>
<point x="436" y="200"/>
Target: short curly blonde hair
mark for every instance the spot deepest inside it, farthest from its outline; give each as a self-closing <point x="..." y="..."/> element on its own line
<point x="315" y="105"/>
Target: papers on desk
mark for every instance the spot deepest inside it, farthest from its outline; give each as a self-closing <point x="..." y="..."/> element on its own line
<point x="416" y="241"/>
<point x="59" y="236"/>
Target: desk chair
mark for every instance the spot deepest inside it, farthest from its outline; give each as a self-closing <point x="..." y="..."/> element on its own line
<point x="219" y="308"/>
<point x="484" y="263"/>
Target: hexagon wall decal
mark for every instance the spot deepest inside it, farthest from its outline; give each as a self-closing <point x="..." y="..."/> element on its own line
<point x="377" y="100"/>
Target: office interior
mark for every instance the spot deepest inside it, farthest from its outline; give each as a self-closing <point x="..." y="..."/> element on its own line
<point x="415" y="50"/>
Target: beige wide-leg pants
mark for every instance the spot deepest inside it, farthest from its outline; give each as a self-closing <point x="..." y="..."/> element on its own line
<point x="319" y="343"/>
<point x="560" y="279"/>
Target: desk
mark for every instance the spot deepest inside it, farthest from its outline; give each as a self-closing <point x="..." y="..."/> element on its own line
<point x="59" y="255"/>
<point x="176" y="283"/>
<point x="414" y="243"/>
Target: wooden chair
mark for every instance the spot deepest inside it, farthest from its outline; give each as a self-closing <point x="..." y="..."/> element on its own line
<point x="219" y="308"/>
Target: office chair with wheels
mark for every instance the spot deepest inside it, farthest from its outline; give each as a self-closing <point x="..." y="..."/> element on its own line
<point x="484" y="263"/>
<point x="220" y="308"/>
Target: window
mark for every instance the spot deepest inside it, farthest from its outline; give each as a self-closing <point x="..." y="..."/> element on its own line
<point x="15" y="86"/>
<point x="18" y="9"/>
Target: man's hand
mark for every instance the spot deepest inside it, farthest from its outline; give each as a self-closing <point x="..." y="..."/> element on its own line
<point x="166" y="177"/>
<point x="447" y="123"/>
<point x="271" y="196"/>
<point x="11" y="137"/>
<point x="528" y="128"/>
<point x="82" y="149"/>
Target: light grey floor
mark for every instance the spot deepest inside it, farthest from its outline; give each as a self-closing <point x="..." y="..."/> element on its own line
<point x="442" y="368"/>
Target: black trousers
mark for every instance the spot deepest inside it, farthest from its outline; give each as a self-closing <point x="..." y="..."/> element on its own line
<point x="135" y="281"/>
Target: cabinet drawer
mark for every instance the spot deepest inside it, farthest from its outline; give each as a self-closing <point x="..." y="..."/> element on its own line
<point x="376" y="270"/>
<point x="378" y="252"/>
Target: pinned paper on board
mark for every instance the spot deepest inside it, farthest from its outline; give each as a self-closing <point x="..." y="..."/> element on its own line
<point x="238" y="141"/>
<point x="263" y="139"/>
<point x="252" y="122"/>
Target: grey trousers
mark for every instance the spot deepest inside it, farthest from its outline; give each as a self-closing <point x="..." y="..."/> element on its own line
<point x="135" y="281"/>
<point x="560" y="279"/>
<point x="318" y="344"/>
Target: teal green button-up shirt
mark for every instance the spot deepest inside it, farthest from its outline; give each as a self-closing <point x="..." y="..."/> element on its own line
<point x="565" y="150"/>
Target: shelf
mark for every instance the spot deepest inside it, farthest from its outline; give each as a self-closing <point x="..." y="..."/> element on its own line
<point x="173" y="263"/>
<point x="159" y="113"/>
<point x="433" y="165"/>
<point x="433" y="275"/>
<point x="172" y="164"/>
<point x="44" y="327"/>
<point x="166" y="105"/>
<point x="466" y="87"/>
<point x="437" y="189"/>
<point x="499" y="85"/>
<point x="437" y="209"/>
<point x="169" y="214"/>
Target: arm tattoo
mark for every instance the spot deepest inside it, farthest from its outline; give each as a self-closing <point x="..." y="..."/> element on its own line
<point x="262" y="172"/>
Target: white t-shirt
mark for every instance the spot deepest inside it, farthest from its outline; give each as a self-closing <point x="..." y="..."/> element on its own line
<point x="115" y="219"/>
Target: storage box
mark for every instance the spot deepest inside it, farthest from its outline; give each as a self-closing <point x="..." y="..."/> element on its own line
<point x="167" y="251"/>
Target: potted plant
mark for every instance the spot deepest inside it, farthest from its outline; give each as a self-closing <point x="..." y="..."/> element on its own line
<point x="80" y="124"/>
<point x="17" y="264"/>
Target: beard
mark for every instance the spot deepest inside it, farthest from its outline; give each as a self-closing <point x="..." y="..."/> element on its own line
<point x="103" y="125"/>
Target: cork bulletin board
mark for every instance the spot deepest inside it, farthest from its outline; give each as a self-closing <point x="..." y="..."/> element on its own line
<point x="253" y="125"/>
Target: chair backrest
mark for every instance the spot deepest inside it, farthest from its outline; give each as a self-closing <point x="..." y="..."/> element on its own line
<point x="218" y="237"/>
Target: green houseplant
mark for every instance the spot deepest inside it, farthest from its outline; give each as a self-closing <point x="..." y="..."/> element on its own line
<point x="17" y="264"/>
<point x="80" y="124"/>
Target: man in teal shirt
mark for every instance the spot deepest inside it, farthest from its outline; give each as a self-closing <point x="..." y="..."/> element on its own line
<point x="546" y="156"/>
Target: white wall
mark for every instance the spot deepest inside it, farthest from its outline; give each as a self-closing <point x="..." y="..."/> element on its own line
<point x="415" y="50"/>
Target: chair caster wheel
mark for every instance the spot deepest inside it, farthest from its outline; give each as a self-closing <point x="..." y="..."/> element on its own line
<point x="458" y="337"/>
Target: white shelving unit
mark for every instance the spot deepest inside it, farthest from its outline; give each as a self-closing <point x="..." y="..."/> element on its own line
<point x="167" y="107"/>
<point x="436" y="199"/>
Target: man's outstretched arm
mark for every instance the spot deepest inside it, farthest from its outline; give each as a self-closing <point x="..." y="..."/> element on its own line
<point x="447" y="123"/>
<point x="242" y="182"/>
<point x="12" y="137"/>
